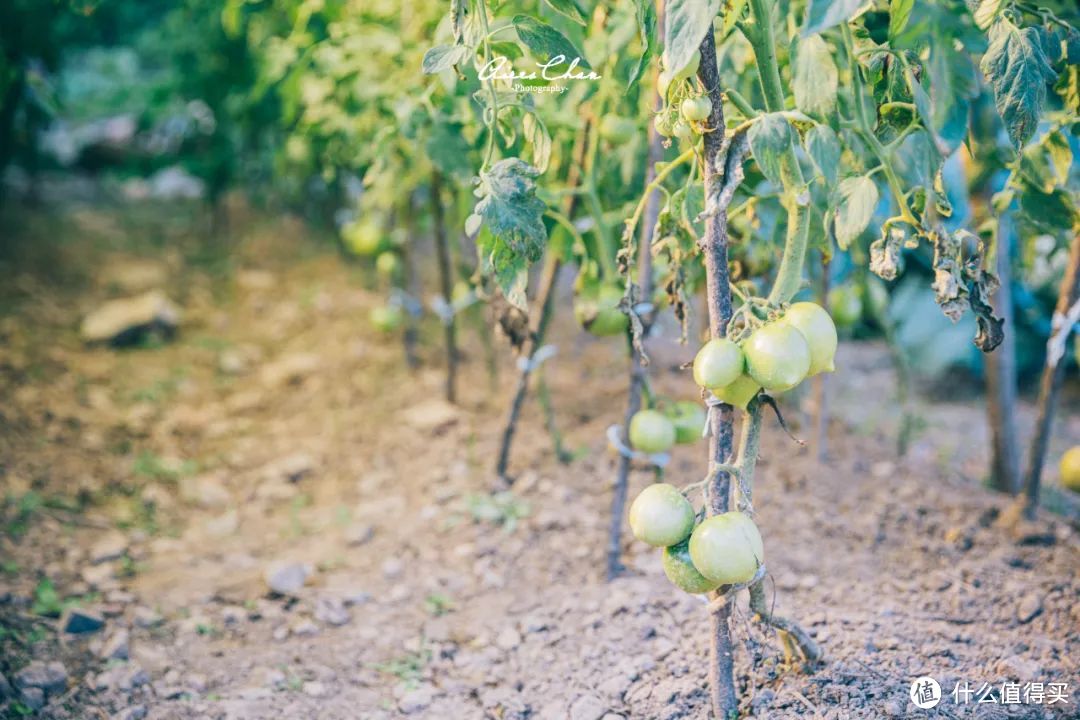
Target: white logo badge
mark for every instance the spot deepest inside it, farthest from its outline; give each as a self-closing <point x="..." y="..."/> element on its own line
<point x="925" y="692"/>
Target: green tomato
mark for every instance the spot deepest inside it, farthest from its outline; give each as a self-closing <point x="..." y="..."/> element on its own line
<point x="388" y="264"/>
<point x="681" y="130"/>
<point x="845" y="306"/>
<point x="777" y="356"/>
<point x="460" y="292"/>
<point x="680" y="570"/>
<point x="617" y="130"/>
<point x="387" y="318"/>
<point x="1070" y="469"/>
<point x="696" y="109"/>
<point x="877" y="296"/>
<point x="651" y="432"/>
<point x="663" y="126"/>
<point x="727" y="548"/>
<point x="688" y="417"/>
<point x="691" y="67"/>
<point x="663" y="83"/>
<point x="718" y="363"/>
<point x="817" y="327"/>
<point x="364" y="238"/>
<point x="738" y="393"/>
<point x="661" y="516"/>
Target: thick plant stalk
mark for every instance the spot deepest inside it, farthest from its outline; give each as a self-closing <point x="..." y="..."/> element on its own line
<point x="714" y="245"/>
<point x="1001" y="379"/>
<point x="411" y="282"/>
<point x="545" y="301"/>
<point x="446" y="285"/>
<point x="637" y="362"/>
<point x="1052" y="374"/>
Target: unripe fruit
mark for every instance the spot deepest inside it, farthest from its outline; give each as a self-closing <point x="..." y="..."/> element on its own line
<point x="689" y="71"/>
<point x="663" y="83"/>
<point x="661" y="516"/>
<point x="727" y="548"/>
<point x="599" y="313"/>
<point x="738" y="393"/>
<point x="387" y="264"/>
<point x="387" y="318"/>
<point x="1070" y="469"/>
<point x="681" y="130"/>
<point x="777" y="356"/>
<point x="680" y="570"/>
<point x="696" y="109"/>
<point x="817" y="327"/>
<point x="617" y="130"/>
<point x="688" y="418"/>
<point x="364" y="238"/>
<point x="845" y="306"/>
<point x="651" y="432"/>
<point x="718" y="363"/>
<point x="663" y="125"/>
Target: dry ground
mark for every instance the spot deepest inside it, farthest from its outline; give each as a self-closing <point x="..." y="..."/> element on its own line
<point x="159" y="485"/>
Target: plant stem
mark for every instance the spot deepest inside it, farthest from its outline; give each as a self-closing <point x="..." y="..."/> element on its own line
<point x="446" y="285"/>
<point x="545" y="301"/>
<point x="1053" y="372"/>
<point x="821" y="386"/>
<point x="1001" y="376"/>
<point x="651" y="203"/>
<point x="725" y="701"/>
<point x="411" y="281"/>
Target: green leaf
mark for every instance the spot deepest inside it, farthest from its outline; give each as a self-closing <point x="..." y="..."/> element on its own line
<point x="569" y="8"/>
<point x="824" y="149"/>
<point x="685" y="25"/>
<point x="899" y="14"/>
<point x="1060" y="154"/>
<point x="824" y="14"/>
<point x="546" y="42"/>
<point x="513" y="216"/>
<point x="443" y="57"/>
<point x="816" y="79"/>
<point x="857" y="197"/>
<point x="732" y="11"/>
<point x="646" y="21"/>
<point x="770" y="138"/>
<point x="1018" y="70"/>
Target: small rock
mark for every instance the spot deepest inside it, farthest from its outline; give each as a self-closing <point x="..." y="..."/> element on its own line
<point x="51" y="677"/>
<point x="305" y="628"/>
<point x="135" y="712"/>
<point x="232" y="362"/>
<point x="587" y="707"/>
<point x="133" y="275"/>
<point x="431" y="416"/>
<point x="77" y="620"/>
<point x="392" y="568"/>
<point x="255" y="279"/>
<point x="316" y="689"/>
<point x="1030" y="606"/>
<point x="33" y="698"/>
<point x="117" y="647"/>
<point x="145" y="618"/>
<point x="111" y="546"/>
<point x="331" y="610"/>
<point x="121" y="677"/>
<point x="358" y="534"/>
<point x="287" y="578"/>
<point x="894" y="708"/>
<point x="290" y="468"/>
<point x="206" y="491"/>
<point x="416" y="700"/>
<point x="508" y="639"/>
<point x="196" y="682"/>
<point x="6" y="691"/>
<point x="125" y="321"/>
<point x="268" y="677"/>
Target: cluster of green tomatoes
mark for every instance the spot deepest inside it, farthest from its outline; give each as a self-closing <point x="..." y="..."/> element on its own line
<point x="775" y="355"/>
<point x="685" y="109"/>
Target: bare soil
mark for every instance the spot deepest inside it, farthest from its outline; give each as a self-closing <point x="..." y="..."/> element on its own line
<point x="279" y="428"/>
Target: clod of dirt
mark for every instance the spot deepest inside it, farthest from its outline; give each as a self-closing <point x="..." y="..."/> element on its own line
<point x="129" y="320"/>
<point x="49" y="677"/>
<point x="110" y="547"/>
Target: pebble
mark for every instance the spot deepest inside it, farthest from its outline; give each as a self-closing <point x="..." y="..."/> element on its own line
<point x="587" y="707"/>
<point x="331" y="610"/>
<point x="316" y="689"/>
<point x="392" y="568"/>
<point x="50" y="677"/>
<point x="287" y="578"/>
<point x="116" y="647"/>
<point x="135" y="712"/>
<point x="508" y="639"/>
<point x="81" y="620"/>
<point x="111" y="546"/>
<point x="1029" y="607"/>
<point x="360" y="534"/>
<point x="305" y="628"/>
<point x="416" y="700"/>
<point x="145" y="618"/>
<point x="33" y="698"/>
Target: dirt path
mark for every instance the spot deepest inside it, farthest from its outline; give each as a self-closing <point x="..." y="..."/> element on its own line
<point x="278" y="436"/>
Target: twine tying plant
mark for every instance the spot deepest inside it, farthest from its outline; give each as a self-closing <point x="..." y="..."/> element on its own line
<point x="446" y="311"/>
<point x="406" y="302"/>
<point x="1061" y="327"/>
<point x="546" y="352"/>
